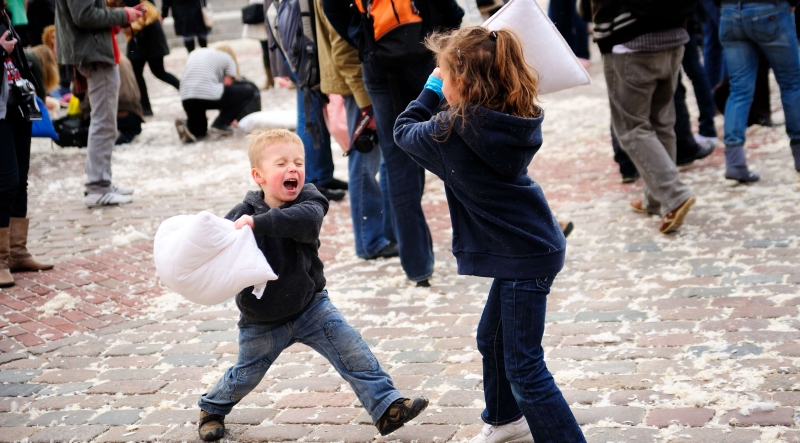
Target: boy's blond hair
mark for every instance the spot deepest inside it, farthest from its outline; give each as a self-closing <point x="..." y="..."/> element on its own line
<point x="261" y="140"/>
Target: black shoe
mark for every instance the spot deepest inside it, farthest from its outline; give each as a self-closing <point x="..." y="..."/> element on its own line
<point x="630" y="178"/>
<point x="211" y="427"/>
<point x="399" y="413"/>
<point x="388" y="251"/>
<point x="702" y="152"/>
<point x="220" y="130"/>
<point x="147" y="112"/>
<point x="566" y="228"/>
<point x="423" y="284"/>
<point x="335" y="183"/>
<point x="333" y="195"/>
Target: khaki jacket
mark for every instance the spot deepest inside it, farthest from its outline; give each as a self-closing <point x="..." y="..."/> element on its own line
<point x="340" y="68"/>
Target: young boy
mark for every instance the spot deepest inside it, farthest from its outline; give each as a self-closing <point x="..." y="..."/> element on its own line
<point x="286" y="218"/>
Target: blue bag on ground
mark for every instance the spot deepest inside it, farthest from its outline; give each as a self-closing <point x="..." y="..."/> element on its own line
<point x="43" y="127"/>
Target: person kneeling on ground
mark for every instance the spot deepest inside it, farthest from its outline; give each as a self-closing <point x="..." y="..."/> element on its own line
<point x="286" y="218"/>
<point x="209" y="82"/>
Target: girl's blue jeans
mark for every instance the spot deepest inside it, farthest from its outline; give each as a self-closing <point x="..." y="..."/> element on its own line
<point x="516" y="381"/>
<point x="322" y="327"/>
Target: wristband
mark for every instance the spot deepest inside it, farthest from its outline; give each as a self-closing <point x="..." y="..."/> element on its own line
<point x="435" y="85"/>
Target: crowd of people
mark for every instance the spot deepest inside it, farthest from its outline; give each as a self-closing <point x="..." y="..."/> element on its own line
<point x="457" y="101"/>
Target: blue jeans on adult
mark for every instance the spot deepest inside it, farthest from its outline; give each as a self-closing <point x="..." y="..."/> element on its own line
<point x="319" y="161"/>
<point x="370" y="211"/>
<point x="516" y="381"/>
<point x="564" y="14"/>
<point x="391" y="90"/>
<point x="713" y="57"/>
<point x="322" y="327"/>
<point x="745" y="28"/>
<point x="702" y="89"/>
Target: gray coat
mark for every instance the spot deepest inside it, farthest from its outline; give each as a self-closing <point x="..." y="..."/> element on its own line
<point x="83" y="31"/>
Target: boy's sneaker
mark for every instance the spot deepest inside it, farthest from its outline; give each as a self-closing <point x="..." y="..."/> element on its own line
<point x="507" y="432"/>
<point x="185" y="135"/>
<point x="107" y="199"/>
<point x="399" y="413"/>
<point x="222" y="131"/>
<point x="211" y="426"/>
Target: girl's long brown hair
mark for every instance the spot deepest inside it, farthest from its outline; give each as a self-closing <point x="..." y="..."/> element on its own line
<point x="487" y="69"/>
<point x="49" y="66"/>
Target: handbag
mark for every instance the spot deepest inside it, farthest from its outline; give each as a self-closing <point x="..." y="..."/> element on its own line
<point x="208" y="15"/>
<point x="253" y="14"/>
<point x="43" y="127"/>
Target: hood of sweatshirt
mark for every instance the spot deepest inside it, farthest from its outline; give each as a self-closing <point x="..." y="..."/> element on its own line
<point x="505" y="142"/>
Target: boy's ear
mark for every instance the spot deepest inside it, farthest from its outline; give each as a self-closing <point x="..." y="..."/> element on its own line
<point x="257" y="176"/>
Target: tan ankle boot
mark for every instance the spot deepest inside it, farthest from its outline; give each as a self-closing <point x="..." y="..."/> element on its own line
<point x="270" y="80"/>
<point x="6" y="279"/>
<point x="21" y="260"/>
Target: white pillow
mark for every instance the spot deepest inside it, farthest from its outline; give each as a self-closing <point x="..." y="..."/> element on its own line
<point x="268" y="119"/>
<point x="207" y="260"/>
<point x="544" y="47"/>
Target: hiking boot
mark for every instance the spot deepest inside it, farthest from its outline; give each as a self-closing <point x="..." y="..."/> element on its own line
<point x="107" y="199"/>
<point x="674" y="219"/>
<point x="211" y="427"/>
<point x="184" y="134"/>
<point x="498" y="434"/>
<point x="399" y="413"/>
<point x="736" y="165"/>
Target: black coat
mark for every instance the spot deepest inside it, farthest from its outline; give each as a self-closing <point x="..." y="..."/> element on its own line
<point x="188" y="16"/>
<point x="148" y="43"/>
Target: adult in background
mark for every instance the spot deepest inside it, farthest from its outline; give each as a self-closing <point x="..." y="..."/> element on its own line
<point x="209" y="82"/>
<point x="189" y="23"/>
<point x="15" y="155"/>
<point x="641" y="58"/>
<point x="391" y="88"/>
<point x="571" y="26"/>
<point x="41" y="14"/>
<point x="340" y="72"/>
<point x="19" y="18"/>
<point x="148" y="47"/>
<point x="86" y="35"/>
<point x="745" y="27"/>
<point x="259" y="32"/>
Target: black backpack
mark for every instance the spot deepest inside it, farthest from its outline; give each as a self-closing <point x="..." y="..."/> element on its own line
<point x="662" y="10"/>
<point x="72" y="131"/>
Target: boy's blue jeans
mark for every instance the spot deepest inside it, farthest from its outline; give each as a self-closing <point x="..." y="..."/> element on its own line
<point x="744" y="28"/>
<point x="516" y="381"/>
<point x="323" y="328"/>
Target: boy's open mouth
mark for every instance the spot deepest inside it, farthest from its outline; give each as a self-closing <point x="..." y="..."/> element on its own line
<point x="290" y="184"/>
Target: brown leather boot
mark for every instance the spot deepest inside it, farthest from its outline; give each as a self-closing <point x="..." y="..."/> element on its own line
<point x="6" y="279"/>
<point x="21" y="260"/>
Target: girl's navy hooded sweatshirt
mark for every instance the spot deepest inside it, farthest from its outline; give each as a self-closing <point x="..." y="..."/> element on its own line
<point x="502" y="225"/>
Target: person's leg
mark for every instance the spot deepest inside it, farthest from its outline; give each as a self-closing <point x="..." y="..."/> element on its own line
<point x="235" y="98"/>
<point x="642" y="120"/>
<point x="157" y="68"/>
<point x="196" y="119"/>
<point x="188" y="41"/>
<point x="702" y="90"/>
<point x="713" y="57"/>
<point x="103" y="93"/>
<point x="406" y="179"/>
<point x="388" y="212"/>
<point x="202" y="39"/>
<point x="324" y="329"/>
<point x="22" y="145"/>
<point x="778" y="41"/>
<point x="366" y="200"/>
<point x="267" y="68"/>
<point x="626" y="167"/>
<point x="581" y="34"/>
<point x="259" y="346"/>
<point x="138" y="72"/>
<point x="522" y="315"/>
<point x="319" y="159"/>
<point x="742" y="58"/>
<point x="9" y="173"/>
<point x="761" y="108"/>
<point x="686" y="146"/>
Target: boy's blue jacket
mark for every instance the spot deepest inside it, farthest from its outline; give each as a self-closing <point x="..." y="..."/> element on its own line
<point x="289" y="238"/>
<point x="502" y="225"/>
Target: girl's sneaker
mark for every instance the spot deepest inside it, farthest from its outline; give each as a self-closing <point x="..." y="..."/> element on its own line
<point x="507" y="432"/>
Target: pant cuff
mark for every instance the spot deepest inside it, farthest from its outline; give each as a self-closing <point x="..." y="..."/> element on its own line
<point x="383" y="406"/>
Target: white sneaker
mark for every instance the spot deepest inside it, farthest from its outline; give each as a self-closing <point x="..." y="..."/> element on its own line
<point x="120" y="190"/>
<point x="107" y="199"/>
<point x="706" y="142"/>
<point x="499" y="434"/>
<point x="184" y="134"/>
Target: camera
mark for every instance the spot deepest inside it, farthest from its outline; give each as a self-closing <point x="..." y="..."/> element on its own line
<point x="364" y="138"/>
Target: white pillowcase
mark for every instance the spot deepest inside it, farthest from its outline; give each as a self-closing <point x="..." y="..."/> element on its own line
<point x="544" y="47"/>
<point x="207" y="260"/>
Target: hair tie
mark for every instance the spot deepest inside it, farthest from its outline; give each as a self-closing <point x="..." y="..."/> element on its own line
<point x="493" y="35"/>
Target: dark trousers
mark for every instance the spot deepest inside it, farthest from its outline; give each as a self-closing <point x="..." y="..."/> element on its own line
<point x="694" y="69"/>
<point x="234" y="100"/>
<point x="157" y="68"/>
<point x="564" y="14"/>
<point x="15" y="158"/>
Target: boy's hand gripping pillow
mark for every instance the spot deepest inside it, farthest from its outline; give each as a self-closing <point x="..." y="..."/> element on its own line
<point x="544" y="48"/>
<point x="205" y="259"/>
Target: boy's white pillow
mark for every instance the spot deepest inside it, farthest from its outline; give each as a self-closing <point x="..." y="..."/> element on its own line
<point x="544" y="47"/>
<point x="267" y="119"/>
<point x="207" y="260"/>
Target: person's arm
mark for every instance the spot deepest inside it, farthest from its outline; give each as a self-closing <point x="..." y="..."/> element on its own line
<point x="414" y="132"/>
<point x="87" y="16"/>
<point x="301" y="222"/>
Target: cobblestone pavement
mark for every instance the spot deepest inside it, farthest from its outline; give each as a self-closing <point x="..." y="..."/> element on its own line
<point x="691" y="337"/>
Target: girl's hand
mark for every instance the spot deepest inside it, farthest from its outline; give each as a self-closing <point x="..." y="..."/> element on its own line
<point x="436" y="73"/>
<point x="8" y="45"/>
<point x="244" y="220"/>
